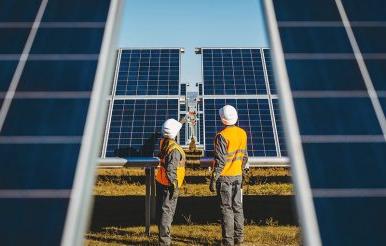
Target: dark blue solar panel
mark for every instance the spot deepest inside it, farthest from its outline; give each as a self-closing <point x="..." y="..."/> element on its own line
<point x="329" y="74"/>
<point x="365" y="227"/>
<point x="74" y="11"/>
<point x="38" y="76"/>
<point x="347" y="165"/>
<point x="7" y="68"/>
<point x="67" y="41"/>
<point x="344" y="146"/>
<point x="42" y="132"/>
<point x="339" y="119"/>
<point x="369" y="10"/>
<point x="40" y="220"/>
<point x="149" y="72"/>
<point x="233" y="72"/>
<point x="135" y="127"/>
<point x="304" y="10"/>
<point x="315" y="40"/>
<point x="46" y="117"/>
<point x="254" y="118"/>
<point x="55" y="170"/>
<point x="12" y="11"/>
<point x="370" y="40"/>
<point x="377" y="72"/>
<point x="12" y="41"/>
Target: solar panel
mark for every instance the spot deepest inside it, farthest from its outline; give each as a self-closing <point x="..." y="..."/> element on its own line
<point x="243" y="78"/>
<point x="233" y="72"/>
<point x="43" y="111"/>
<point x="135" y="127"/>
<point x="148" y="72"/>
<point x="254" y="117"/>
<point x="334" y="53"/>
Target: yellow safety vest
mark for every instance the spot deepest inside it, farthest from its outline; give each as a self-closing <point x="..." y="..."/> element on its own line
<point x="161" y="176"/>
<point x="236" y="139"/>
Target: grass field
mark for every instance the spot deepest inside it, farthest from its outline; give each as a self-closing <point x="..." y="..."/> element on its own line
<point x="126" y="183"/>
<point x="269" y="235"/>
<point x="117" y="182"/>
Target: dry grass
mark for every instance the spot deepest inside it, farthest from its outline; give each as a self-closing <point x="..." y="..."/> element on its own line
<point x="262" y="172"/>
<point x="116" y="182"/>
<point x="195" y="235"/>
<point x="127" y="189"/>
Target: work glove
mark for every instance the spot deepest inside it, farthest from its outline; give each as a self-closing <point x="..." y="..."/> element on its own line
<point x="212" y="184"/>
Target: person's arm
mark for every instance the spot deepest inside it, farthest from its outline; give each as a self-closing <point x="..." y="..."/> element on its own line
<point x="220" y="155"/>
<point x="172" y="161"/>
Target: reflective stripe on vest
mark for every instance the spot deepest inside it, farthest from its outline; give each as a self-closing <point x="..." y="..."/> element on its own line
<point x="161" y="176"/>
<point x="236" y="139"/>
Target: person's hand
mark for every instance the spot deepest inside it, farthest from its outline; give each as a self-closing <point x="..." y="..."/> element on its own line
<point x="174" y="189"/>
<point x="212" y="184"/>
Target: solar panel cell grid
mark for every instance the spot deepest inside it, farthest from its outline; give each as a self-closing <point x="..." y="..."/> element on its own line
<point x="233" y="72"/>
<point x="135" y="127"/>
<point x="149" y="72"/>
<point x="41" y="135"/>
<point x="340" y="125"/>
<point x="254" y="117"/>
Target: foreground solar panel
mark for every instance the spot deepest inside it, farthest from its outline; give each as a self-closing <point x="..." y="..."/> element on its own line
<point x="242" y="77"/>
<point x="335" y="59"/>
<point x="46" y="78"/>
<point x="145" y="93"/>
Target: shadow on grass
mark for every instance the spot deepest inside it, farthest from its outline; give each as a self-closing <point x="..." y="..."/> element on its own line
<point x="130" y="211"/>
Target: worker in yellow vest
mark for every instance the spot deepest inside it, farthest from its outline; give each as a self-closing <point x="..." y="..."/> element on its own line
<point x="170" y="176"/>
<point x="230" y="159"/>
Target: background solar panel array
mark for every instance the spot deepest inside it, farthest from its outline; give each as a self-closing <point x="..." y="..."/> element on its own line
<point x="233" y="72"/>
<point x="135" y="127"/>
<point x="41" y="135"/>
<point x="148" y="72"/>
<point x="343" y="141"/>
<point x="254" y="118"/>
<point x="236" y="74"/>
<point x="146" y="80"/>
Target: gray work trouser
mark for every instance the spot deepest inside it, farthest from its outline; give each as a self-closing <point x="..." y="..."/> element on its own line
<point x="166" y="207"/>
<point x="231" y="206"/>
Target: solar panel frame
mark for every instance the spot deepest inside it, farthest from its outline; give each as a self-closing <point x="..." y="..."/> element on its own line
<point x="268" y="80"/>
<point x="115" y="97"/>
<point x="316" y="198"/>
<point x="64" y="189"/>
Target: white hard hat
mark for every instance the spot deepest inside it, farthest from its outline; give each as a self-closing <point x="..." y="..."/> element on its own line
<point x="170" y="128"/>
<point x="228" y="115"/>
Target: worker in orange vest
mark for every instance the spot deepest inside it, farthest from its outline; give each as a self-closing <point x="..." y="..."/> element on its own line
<point x="170" y="176"/>
<point x="230" y="159"/>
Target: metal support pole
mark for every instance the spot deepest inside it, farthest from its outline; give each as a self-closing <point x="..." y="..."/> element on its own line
<point x="153" y="194"/>
<point x="147" y="201"/>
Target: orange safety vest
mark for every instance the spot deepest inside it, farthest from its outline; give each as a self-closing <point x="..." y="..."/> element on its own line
<point x="161" y="176"/>
<point x="236" y="139"/>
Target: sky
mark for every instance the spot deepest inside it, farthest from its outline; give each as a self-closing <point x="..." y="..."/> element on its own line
<point x="192" y="23"/>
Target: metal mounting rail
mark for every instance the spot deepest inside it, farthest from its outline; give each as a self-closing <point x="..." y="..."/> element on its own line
<point x="143" y="162"/>
<point x="149" y="164"/>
